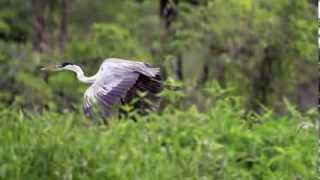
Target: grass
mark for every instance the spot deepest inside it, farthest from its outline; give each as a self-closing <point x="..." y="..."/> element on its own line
<point x="217" y="144"/>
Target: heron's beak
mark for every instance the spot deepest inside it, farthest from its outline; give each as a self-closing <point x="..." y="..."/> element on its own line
<point x="50" y="68"/>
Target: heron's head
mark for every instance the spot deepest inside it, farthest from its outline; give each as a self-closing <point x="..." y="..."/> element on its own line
<point x="59" y="67"/>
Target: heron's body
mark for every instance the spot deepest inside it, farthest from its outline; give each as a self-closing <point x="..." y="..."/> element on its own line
<point x="118" y="81"/>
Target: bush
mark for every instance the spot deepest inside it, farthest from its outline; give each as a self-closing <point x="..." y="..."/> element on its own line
<point x="218" y="144"/>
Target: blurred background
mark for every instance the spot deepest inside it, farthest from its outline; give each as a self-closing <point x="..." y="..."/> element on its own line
<point x="261" y="51"/>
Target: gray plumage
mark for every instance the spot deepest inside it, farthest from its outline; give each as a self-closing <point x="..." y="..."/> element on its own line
<point x="118" y="81"/>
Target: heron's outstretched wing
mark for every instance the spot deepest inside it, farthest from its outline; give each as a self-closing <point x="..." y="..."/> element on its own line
<point x="131" y="66"/>
<point x="108" y="90"/>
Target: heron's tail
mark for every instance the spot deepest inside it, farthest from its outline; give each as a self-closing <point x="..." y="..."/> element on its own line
<point x="151" y="87"/>
<point x="154" y="72"/>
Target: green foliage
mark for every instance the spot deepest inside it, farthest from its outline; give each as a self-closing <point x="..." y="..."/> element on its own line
<point x="64" y="81"/>
<point x="107" y="40"/>
<point x="119" y="40"/>
<point x="15" y="20"/>
<point x="40" y="91"/>
<point x="217" y="144"/>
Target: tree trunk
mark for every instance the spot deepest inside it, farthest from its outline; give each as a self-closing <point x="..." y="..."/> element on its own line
<point x="63" y="36"/>
<point x="318" y="119"/>
<point x="156" y="56"/>
<point x="177" y="65"/>
<point x="221" y="75"/>
<point x="204" y="76"/>
<point x="314" y="2"/>
<point x="39" y="40"/>
<point x="168" y="13"/>
<point x="318" y="131"/>
<point x="218" y="66"/>
<point x="261" y="83"/>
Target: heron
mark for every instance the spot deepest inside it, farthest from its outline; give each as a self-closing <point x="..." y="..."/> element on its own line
<point x="118" y="81"/>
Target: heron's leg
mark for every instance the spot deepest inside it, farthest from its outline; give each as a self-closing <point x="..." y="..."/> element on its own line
<point x="121" y="112"/>
<point x="101" y="115"/>
<point x="104" y="114"/>
<point x="90" y="115"/>
<point x="122" y="101"/>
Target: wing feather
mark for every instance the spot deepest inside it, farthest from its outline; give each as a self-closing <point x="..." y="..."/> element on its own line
<point x="133" y="66"/>
<point x="108" y="91"/>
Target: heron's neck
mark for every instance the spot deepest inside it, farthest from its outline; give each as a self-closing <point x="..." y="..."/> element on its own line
<point x="80" y="75"/>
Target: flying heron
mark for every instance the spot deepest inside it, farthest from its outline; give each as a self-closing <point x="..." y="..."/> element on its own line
<point x="117" y="81"/>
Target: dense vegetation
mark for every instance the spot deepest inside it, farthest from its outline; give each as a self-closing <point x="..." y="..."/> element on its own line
<point x="245" y="73"/>
<point x="175" y="144"/>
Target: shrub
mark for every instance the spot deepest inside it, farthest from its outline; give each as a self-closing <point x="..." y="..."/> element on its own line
<point x="174" y="144"/>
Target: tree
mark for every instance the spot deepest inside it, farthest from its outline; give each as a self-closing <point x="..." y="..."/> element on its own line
<point x="63" y="36"/>
<point x="168" y="13"/>
<point x="39" y="37"/>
